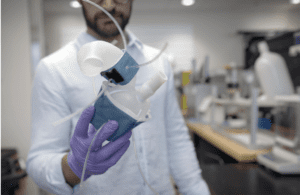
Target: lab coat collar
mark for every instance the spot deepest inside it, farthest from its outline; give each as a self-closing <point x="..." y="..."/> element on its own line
<point x="133" y="40"/>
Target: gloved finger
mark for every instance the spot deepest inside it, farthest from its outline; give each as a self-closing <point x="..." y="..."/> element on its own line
<point x="92" y="130"/>
<point x="105" y="132"/>
<point x="102" y="167"/>
<point x="82" y="126"/>
<point x="116" y="157"/>
<point x="112" y="147"/>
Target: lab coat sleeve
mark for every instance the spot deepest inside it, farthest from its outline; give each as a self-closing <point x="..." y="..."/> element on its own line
<point x="183" y="162"/>
<point x="48" y="143"/>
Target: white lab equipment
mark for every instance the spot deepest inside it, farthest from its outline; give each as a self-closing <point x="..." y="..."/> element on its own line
<point x="272" y="73"/>
<point x="206" y="68"/>
<point x="225" y="106"/>
<point x="233" y="74"/>
<point x="132" y="102"/>
<point x="285" y="156"/>
<point x="294" y="50"/>
<point x="233" y="91"/>
<point x="201" y="73"/>
<point x="255" y="139"/>
<point x="99" y="56"/>
<point x="204" y="100"/>
<point x="275" y="80"/>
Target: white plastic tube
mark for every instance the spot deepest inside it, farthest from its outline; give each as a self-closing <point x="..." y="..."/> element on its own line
<point x="161" y="51"/>
<point x="97" y="56"/>
<point x="149" y="88"/>
<point x="88" y="154"/>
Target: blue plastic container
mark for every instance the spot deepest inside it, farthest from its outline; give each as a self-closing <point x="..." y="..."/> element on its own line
<point x="264" y="123"/>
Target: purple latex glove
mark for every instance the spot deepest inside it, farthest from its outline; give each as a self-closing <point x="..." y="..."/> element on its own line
<point x="100" y="158"/>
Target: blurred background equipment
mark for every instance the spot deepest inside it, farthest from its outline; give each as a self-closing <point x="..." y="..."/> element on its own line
<point x="13" y="173"/>
<point x="233" y="107"/>
<point x="285" y="156"/>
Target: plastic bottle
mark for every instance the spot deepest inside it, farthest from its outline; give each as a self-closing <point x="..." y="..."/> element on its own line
<point x="273" y="74"/>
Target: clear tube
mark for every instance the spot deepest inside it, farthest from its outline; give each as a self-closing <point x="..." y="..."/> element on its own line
<point x="155" y="58"/>
<point x="89" y="150"/>
<point x="112" y="18"/>
<point x="88" y="154"/>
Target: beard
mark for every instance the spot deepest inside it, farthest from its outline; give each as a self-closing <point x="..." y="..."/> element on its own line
<point x="99" y="30"/>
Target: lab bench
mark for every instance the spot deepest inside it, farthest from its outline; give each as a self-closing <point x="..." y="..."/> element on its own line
<point x="230" y="168"/>
<point x="231" y="148"/>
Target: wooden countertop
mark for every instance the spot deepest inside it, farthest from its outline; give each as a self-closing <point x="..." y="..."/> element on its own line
<point x="230" y="147"/>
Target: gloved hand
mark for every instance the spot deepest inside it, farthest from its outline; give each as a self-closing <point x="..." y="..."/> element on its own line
<point x="100" y="158"/>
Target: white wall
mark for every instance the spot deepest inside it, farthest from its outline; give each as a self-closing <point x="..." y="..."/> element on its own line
<point x="180" y="39"/>
<point x="59" y="29"/>
<point x="214" y="36"/>
<point x="189" y="34"/>
<point x="16" y="80"/>
<point x="214" y="33"/>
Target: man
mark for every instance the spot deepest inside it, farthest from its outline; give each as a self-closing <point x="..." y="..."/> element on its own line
<point x="57" y="153"/>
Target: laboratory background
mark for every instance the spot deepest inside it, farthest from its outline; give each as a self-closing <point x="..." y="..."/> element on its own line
<point x="236" y="65"/>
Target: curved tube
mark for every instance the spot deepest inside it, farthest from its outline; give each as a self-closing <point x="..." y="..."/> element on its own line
<point x="88" y="154"/>
<point x="112" y="18"/>
<point x="155" y="58"/>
